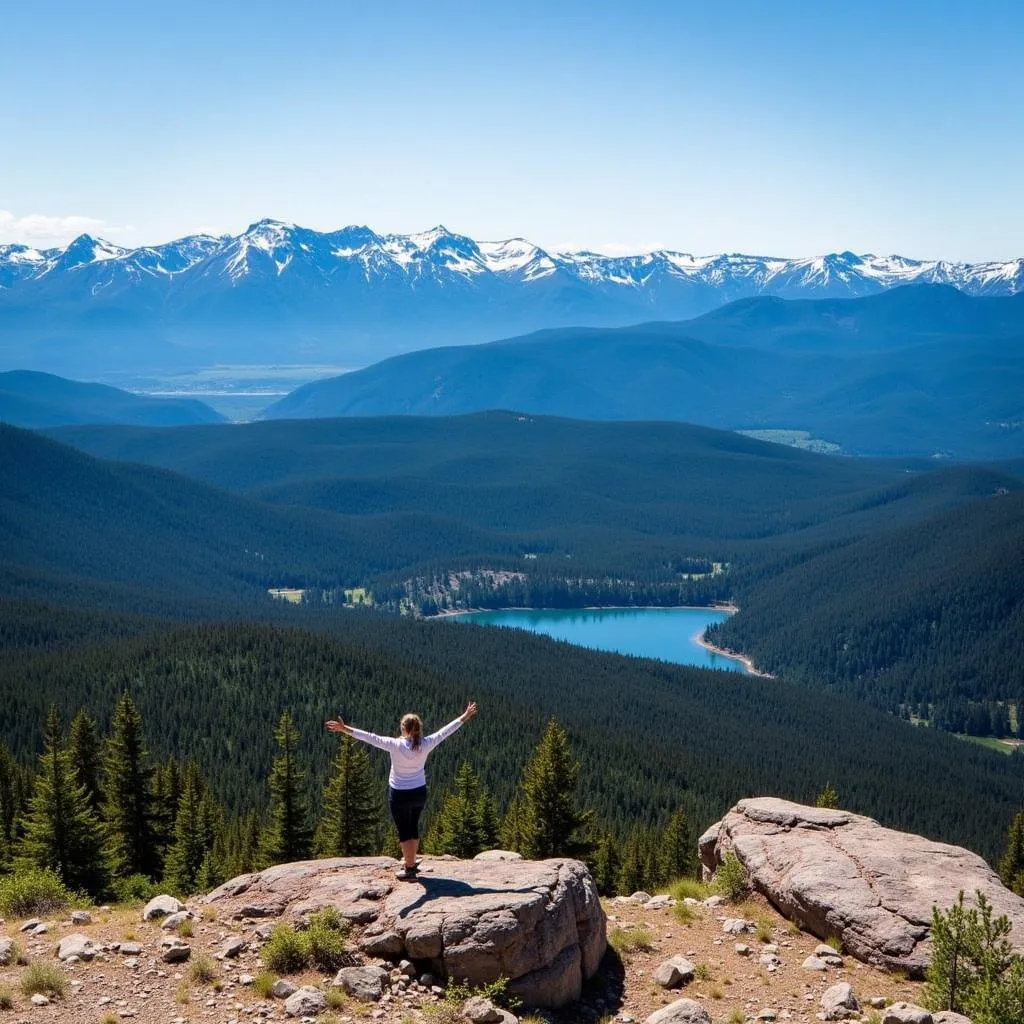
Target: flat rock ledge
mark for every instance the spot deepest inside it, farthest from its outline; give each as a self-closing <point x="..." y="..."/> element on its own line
<point x="538" y="923"/>
<point x="842" y="875"/>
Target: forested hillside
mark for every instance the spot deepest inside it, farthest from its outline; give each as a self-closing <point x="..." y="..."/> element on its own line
<point x="924" y="619"/>
<point x="652" y="738"/>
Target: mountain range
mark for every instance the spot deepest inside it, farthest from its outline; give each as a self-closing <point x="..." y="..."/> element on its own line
<point x="279" y="292"/>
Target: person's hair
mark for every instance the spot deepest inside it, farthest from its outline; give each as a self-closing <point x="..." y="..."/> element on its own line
<point x="413" y="728"/>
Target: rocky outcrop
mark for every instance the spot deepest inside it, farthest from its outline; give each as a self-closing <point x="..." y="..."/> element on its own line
<point x="842" y="875"/>
<point x="538" y="923"/>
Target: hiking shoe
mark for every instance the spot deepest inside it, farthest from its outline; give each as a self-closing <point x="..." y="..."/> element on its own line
<point x="405" y="874"/>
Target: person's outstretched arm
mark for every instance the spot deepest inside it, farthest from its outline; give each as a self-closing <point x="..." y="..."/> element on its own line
<point x="445" y="731"/>
<point x="382" y="742"/>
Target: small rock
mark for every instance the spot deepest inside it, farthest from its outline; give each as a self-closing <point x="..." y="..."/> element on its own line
<point x="682" y="1011"/>
<point x="767" y="1014"/>
<point x="177" y="953"/>
<point x="839" y="1002"/>
<point x="40" y="929"/>
<point x="770" y="947"/>
<point x="640" y="897"/>
<point x="498" y="855"/>
<point x="714" y="901"/>
<point x="283" y="989"/>
<point x="132" y="962"/>
<point x="736" y="926"/>
<point x="407" y="969"/>
<point x="814" y="963"/>
<point x="427" y="980"/>
<point x="245" y="979"/>
<point x="76" y="944"/>
<point x="674" y="972"/>
<point x="81" y="917"/>
<point x="130" y="948"/>
<point x="39" y="1000"/>
<point x="770" y="960"/>
<point x="159" y="906"/>
<point x="660" y="902"/>
<point x="6" y="950"/>
<point x="72" y="960"/>
<point x="877" y="1002"/>
<point x="950" y="1017"/>
<point x="907" y="1013"/>
<point x="234" y="947"/>
<point x="480" y="1011"/>
<point x="364" y="983"/>
<point x="32" y="922"/>
<point x="104" y="1000"/>
<point x="742" y="948"/>
<point x="173" y="920"/>
<point x="305" y="1002"/>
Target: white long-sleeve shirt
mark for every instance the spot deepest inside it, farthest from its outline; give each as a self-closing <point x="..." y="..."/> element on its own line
<point x="407" y="764"/>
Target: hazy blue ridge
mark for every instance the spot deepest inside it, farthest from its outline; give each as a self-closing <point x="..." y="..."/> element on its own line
<point x="39" y="400"/>
<point x="919" y="370"/>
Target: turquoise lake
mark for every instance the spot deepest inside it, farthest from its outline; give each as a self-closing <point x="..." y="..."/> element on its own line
<point x="666" y="633"/>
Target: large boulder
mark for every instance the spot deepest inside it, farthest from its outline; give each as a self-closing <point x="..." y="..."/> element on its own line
<point x="843" y="875"/>
<point x="538" y="923"/>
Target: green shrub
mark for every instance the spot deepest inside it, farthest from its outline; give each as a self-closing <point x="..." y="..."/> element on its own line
<point x="496" y="991"/>
<point x="34" y="892"/>
<point x="631" y="940"/>
<point x="690" y="888"/>
<point x="202" y="970"/>
<point x="702" y="971"/>
<point x="731" y="878"/>
<point x="135" y="889"/>
<point x="6" y="998"/>
<point x="336" y="999"/>
<point x="186" y="929"/>
<point x="684" y="913"/>
<point x="287" y="951"/>
<point x="263" y="984"/>
<point x="46" y="979"/>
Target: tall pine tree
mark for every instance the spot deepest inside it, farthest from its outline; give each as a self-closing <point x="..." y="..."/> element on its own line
<point x="186" y="854"/>
<point x="350" y="825"/>
<point x="465" y="825"/>
<point x="552" y="824"/>
<point x="1011" y="864"/>
<point x="87" y="757"/>
<point x="675" y="851"/>
<point x="127" y="796"/>
<point x="61" y="831"/>
<point x="288" y="835"/>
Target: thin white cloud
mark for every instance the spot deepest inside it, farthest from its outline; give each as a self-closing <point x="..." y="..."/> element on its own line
<point x="41" y="227"/>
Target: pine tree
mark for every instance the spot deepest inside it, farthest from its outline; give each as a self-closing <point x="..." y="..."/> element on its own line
<point x="14" y="795"/>
<point x="1011" y="864"/>
<point x="828" y="797"/>
<point x="60" y="830"/>
<point x="166" y="794"/>
<point x="87" y="758"/>
<point x="675" y="851"/>
<point x="512" y="833"/>
<point x="632" y="872"/>
<point x="288" y="835"/>
<point x="351" y="820"/>
<point x="552" y="824"/>
<point x="464" y="826"/>
<point x="186" y="854"/>
<point x="606" y="864"/>
<point x="128" y="804"/>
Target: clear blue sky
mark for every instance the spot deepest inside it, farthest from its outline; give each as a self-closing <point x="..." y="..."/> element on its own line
<point x="767" y="127"/>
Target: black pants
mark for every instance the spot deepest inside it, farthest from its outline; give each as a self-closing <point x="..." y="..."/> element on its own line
<point x="406" y="807"/>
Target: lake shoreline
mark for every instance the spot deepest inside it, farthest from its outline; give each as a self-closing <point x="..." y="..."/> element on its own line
<point x="449" y="613"/>
<point x="749" y="668"/>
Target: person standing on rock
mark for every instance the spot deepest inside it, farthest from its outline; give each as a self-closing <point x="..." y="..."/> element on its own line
<point x="407" y="782"/>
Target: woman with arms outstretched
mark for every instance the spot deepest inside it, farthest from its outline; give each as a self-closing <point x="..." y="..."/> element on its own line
<point x="407" y="783"/>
